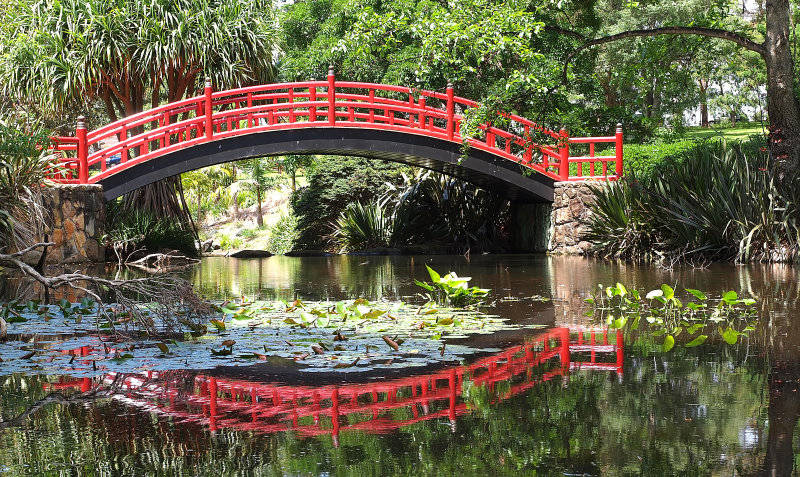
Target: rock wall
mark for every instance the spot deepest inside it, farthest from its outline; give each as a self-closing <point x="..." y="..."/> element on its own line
<point x="570" y="213"/>
<point x="74" y="220"/>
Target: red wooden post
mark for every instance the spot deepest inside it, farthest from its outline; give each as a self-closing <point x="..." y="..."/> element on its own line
<point x="451" y="126"/>
<point x="212" y="404"/>
<point x="331" y="96"/>
<point x="209" y="117"/>
<point x="335" y="416"/>
<point x="563" y="151"/>
<point x="312" y="96"/>
<point x="123" y="135"/>
<point x="422" y="118"/>
<point x="618" y="137"/>
<point x="83" y="151"/>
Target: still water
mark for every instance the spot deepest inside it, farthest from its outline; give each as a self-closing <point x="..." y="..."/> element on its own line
<point x="569" y="399"/>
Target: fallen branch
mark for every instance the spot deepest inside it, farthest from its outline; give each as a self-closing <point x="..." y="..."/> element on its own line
<point x="169" y="296"/>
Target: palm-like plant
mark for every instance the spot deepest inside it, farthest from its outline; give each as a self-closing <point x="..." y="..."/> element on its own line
<point x="133" y="54"/>
<point x="25" y="165"/>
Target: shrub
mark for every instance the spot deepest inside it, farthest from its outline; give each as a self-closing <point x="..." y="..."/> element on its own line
<point x="132" y="230"/>
<point x="723" y="201"/>
<point x="333" y="183"/>
<point x="643" y="161"/>
<point x="282" y="235"/>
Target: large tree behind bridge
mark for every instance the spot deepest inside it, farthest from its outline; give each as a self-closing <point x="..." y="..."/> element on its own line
<point x="776" y="51"/>
<point x="132" y="55"/>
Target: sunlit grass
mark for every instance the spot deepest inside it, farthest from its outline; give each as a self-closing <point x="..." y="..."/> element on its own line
<point x="739" y="132"/>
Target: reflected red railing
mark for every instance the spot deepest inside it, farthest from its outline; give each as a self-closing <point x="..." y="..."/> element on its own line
<point x="316" y="410"/>
<point x="91" y="156"/>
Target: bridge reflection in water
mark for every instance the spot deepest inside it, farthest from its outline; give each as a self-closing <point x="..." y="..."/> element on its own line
<point x="375" y="406"/>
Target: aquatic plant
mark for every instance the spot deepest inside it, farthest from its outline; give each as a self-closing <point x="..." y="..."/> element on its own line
<point x="452" y="290"/>
<point x="667" y="315"/>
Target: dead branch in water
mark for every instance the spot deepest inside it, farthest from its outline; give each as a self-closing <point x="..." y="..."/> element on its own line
<point x="164" y="296"/>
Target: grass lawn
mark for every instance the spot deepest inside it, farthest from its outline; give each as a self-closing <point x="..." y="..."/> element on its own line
<point x="739" y="132"/>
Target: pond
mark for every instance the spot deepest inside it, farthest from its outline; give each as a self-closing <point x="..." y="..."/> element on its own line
<point x="560" y="395"/>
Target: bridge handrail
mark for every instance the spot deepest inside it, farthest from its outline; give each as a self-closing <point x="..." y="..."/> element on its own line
<point x="216" y="115"/>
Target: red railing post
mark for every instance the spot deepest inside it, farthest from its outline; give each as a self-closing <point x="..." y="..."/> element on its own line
<point x="208" y="106"/>
<point x="82" y="151"/>
<point x="451" y="124"/>
<point x="618" y="140"/>
<point x="563" y="150"/>
<point x="331" y="96"/>
<point x="312" y="96"/>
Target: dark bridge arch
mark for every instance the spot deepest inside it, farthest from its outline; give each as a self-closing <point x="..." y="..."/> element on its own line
<point x="477" y="166"/>
<point x="328" y="117"/>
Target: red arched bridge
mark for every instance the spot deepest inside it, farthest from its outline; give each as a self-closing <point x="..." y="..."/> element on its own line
<point x="423" y="128"/>
<point x="247" y="405"/>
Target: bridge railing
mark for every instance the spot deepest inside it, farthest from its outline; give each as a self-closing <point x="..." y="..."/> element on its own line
<point x="94" y="155"/>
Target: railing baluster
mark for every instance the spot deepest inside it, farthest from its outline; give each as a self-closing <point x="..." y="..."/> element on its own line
<point x="209" y="115"/>
<point x="422" y="118"/>
<point x="591" y="163"/>
<point x="249" y="109"/>
<point x="123" y="136"/>
<point x="312" y="96"/>
<point x="372" y="107"/>
<point x="291" y="105"/>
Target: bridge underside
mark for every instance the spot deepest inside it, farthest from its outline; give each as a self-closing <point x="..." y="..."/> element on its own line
<point x="478" y="167"/>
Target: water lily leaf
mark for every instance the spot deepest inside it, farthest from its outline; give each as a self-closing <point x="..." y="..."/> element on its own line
<point x="219" y="325"/>
<point x="730" y="296"/>
<point x="221" y="352"/>
<point x="748" y="301"/>
<point x="228" y="343"/>
<point x="669" y="293"/>
<point x="435" y="277"/>
<point x="654" y="293"/>
<point x="730" y="335"/>
<point x="163" y="347"/>
<point x="445" y="322"/>
<point x="621" y="289"/>
<point x="669" y="342"/>
<point x="697" y="341"/>
<point x="697" y="293"/>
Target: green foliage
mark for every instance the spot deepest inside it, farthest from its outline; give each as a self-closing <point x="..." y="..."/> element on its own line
<point x="226" y="242"/>
<point x="435" y="208"/>
<point x="643" y="161"/>
<point x="666" y="315"/>
<point x="452" y="290"/>
<point x="362" y="226"/>
<point x="282" y="235"/>
<point x="25" y="164"/>
<point x="63" y="53"/>
<point x="129" y="231"/>
<point x="723" y="201"/>
<point x="333" y="183"/>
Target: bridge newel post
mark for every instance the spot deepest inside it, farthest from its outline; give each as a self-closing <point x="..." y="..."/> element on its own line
<point x="82" y="150"/>
<point x="618" y="148"/>
<point x="208" y="107"/>
<point x="451" y="124"/>
<point x="563" y="151"/>
<point x="331" y="96"/>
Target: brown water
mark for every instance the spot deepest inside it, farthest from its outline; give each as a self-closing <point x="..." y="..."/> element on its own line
<point x="563" y="401"/>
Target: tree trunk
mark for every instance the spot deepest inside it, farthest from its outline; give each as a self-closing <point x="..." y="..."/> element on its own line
<point x="235" y="196"/>
<point x="260" y="216"/>
<point x="782" y="104"/>
<point x="294" y="180"/>
<point x="702" y="83"/>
